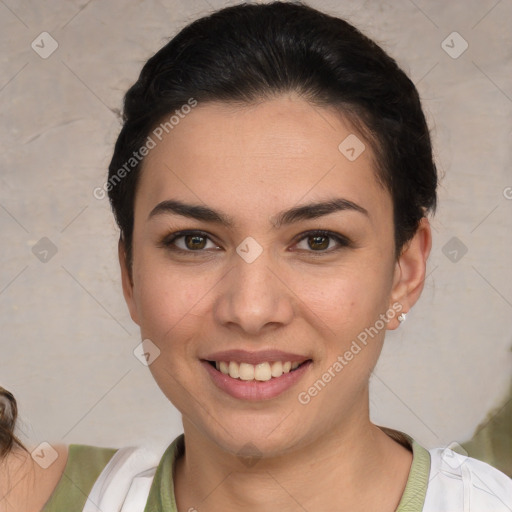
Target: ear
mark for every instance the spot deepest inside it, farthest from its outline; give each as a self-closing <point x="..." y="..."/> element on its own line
<point x="410" y="270"/>
<point x="127" y="281"/>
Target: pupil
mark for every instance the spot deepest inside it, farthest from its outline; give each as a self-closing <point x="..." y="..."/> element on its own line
<point x="317" y="240"/>
<point x="194" y="239"/>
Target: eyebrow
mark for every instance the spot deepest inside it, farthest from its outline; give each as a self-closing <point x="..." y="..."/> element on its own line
<point x="295" y="214"/>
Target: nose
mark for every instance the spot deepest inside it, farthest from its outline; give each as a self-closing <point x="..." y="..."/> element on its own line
<point x="255" y="297"/>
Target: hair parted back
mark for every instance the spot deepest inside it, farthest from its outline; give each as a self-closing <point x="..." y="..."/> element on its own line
<point x="250" y="52"/>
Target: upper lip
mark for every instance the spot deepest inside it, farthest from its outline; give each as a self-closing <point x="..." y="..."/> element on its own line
<point x="262" y="356"/>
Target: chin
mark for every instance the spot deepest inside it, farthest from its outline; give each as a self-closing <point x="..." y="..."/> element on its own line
<point x="250" y="436"/>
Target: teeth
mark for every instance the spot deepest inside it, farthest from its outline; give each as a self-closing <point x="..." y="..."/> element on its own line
<point x="246" y="371"/>
<point x="277" y="369"/>
<point x="234" y="370"/>
<point x="261" y="372"/>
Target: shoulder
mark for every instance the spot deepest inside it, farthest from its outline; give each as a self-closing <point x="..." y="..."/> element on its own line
<point x="27" y="480"/>
<point x="70" y="475"/>
<point x="456" y="480"/>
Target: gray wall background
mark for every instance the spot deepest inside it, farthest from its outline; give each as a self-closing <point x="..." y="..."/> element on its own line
<point x="66" y="335"/>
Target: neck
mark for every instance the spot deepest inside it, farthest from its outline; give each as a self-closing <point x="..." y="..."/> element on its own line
<point x="358" y="467"/>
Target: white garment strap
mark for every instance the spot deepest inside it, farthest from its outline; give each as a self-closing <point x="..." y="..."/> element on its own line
<point x="467" y="482"/>
<point x="462" y="484"/>
<point x="124" y="483"/>
<point x="139" y="491"/>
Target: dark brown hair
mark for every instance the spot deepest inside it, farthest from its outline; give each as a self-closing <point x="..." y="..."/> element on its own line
<point x="8" y="415"/>
<point x="246" y="53"/>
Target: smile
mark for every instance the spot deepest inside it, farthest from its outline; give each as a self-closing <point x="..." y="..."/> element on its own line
<point x="255" y="376"/>
<point x="261" y="372"/>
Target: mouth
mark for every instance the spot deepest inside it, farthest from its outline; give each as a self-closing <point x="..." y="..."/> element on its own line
<point x="261" y="372"/>
<point x="266" y="376"/>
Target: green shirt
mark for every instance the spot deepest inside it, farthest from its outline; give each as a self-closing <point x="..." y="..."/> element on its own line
<point x="85" y="463"/>
<point x="83" y="467"/>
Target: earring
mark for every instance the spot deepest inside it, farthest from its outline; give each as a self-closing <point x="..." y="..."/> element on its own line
<point x="402" y="317"/>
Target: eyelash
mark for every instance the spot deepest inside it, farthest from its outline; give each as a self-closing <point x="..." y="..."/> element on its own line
<point x="169" y="240"/>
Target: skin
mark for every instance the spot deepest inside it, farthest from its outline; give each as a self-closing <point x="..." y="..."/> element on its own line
<point x="250" y="163"/>
<point x="24" y="484"/>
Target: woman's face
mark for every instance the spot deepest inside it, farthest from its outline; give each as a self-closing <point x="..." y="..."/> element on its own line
<point x="254" y="283"/>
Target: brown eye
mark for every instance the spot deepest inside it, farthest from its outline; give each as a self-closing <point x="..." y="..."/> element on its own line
<point x="195" y="242"/>
<point x="190" y="242"/>
<point x="320" y="241"/>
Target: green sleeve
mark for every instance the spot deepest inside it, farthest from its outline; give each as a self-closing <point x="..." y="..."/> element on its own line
<point x="84" y="465"/>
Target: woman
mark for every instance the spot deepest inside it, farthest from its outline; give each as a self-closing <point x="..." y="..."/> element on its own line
<point x="272" y="183"/>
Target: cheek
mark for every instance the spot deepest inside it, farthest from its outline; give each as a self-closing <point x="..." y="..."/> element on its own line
<point x="169" y="313"/>
<point x="349" y="298"/>
<point x="171" y="301"/>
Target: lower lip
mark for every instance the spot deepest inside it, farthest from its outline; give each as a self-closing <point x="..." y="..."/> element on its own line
<point x="253" y="389"/>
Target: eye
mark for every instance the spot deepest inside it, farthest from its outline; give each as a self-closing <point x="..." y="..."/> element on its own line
<point x="189" y="241"/>
<point x="320" y="241"/>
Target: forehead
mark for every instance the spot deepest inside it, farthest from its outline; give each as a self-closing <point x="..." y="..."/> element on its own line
<point x="279" y="151"/>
